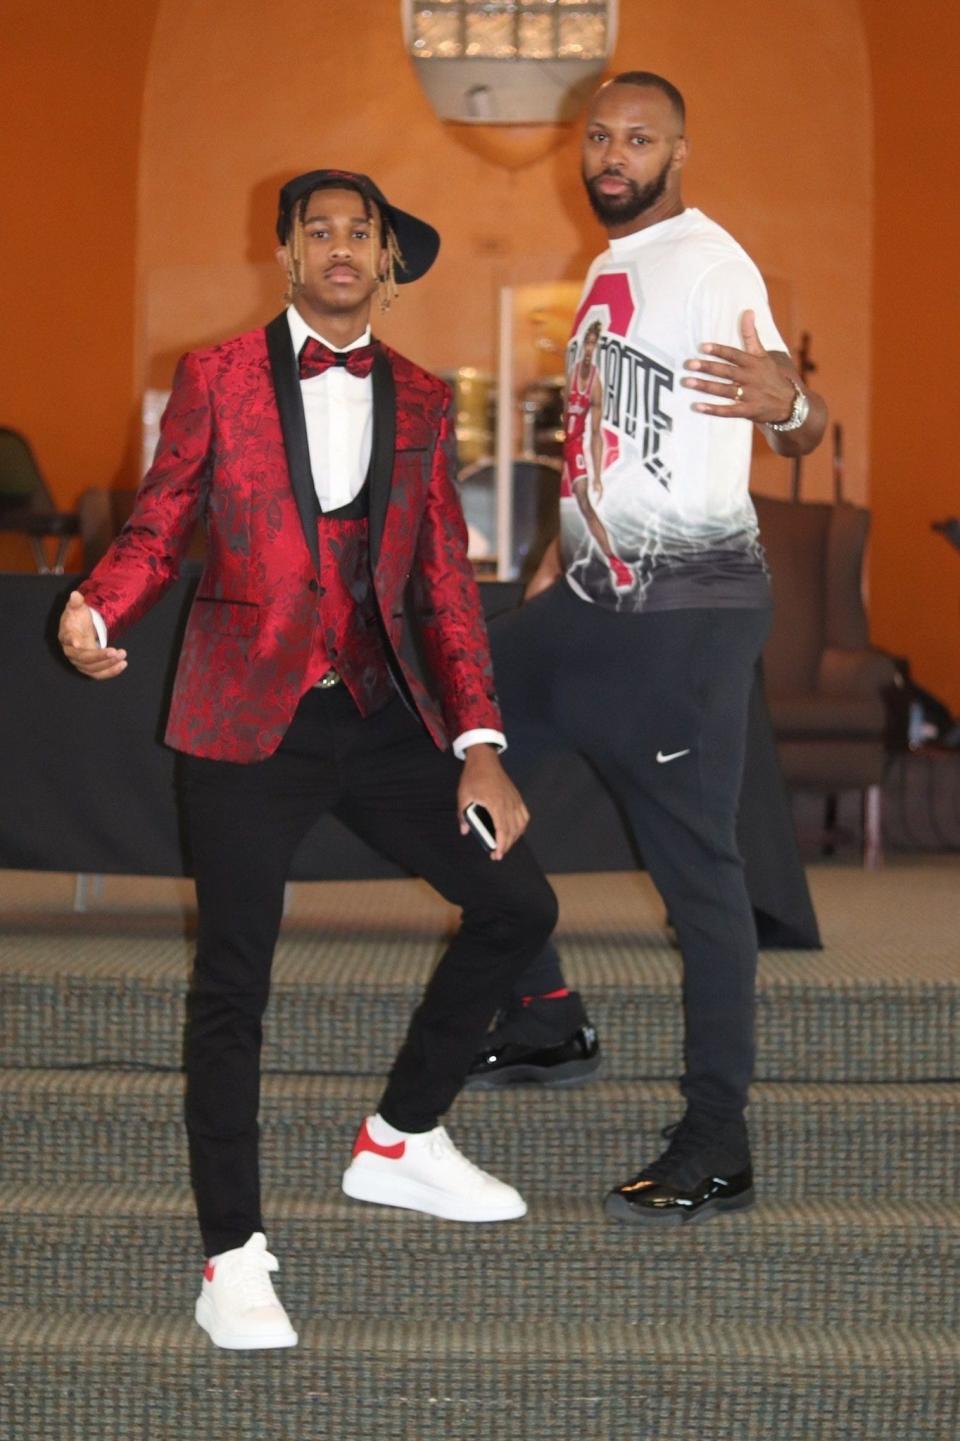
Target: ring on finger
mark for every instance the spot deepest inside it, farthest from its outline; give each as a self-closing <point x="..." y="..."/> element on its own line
<point x="738" y="394"/>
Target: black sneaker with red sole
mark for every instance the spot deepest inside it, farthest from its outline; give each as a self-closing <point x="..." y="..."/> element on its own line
<point x="547" y="1042"/>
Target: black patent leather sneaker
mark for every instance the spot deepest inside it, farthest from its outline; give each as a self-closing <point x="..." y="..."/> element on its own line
<point x="544" y="1043"/>
<point x="705" y="1170"/>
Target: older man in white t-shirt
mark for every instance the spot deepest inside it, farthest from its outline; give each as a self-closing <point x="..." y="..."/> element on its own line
<point x="640" y="653"/>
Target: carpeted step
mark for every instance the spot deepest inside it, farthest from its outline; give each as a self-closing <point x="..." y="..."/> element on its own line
<point x="340" y="1004"/>
<point x="124" y="1377"/>
<point x="828" y="1141"/>
<point x="103" y="1249"/>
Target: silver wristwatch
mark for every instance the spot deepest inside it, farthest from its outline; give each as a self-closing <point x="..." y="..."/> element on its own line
<point x="799" y="413"/>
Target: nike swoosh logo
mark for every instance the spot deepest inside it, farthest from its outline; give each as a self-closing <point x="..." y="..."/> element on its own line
<point x="674" y="756"/>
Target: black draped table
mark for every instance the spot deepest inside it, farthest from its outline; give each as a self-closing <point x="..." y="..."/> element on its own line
<point x="86" y="784"/>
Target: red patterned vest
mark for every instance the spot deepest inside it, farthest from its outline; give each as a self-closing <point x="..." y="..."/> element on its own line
<point x="348" y="639"/>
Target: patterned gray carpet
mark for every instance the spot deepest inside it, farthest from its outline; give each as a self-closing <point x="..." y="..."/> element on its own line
<point x="832" y="1310"/>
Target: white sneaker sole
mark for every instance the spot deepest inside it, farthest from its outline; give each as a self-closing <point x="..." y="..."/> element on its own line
<point x="267" y="1340"/>
<point x="362" y="1184"/>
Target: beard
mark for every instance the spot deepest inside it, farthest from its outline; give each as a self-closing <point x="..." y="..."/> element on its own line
<point x="617" y="209"/>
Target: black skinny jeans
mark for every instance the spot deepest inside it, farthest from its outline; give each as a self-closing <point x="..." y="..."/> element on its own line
<point x="385" y="779"/>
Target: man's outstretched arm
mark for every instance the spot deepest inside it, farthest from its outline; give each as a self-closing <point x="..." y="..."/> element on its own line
<point x="145" y="557"/>
<point x="759" y="385"/>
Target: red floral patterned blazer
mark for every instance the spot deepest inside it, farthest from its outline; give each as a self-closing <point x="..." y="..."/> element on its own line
<point x="233" y="447"/>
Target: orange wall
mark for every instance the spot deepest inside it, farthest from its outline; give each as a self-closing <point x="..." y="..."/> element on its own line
<point x="240" y="96"/>
<point x="127" y="244"/>
<point x="70" y="103"/>
<point x="915" y="474"/>
<point x="237" y="96"/>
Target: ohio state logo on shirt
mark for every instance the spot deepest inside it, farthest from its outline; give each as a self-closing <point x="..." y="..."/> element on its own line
<point x="634" y="383"/>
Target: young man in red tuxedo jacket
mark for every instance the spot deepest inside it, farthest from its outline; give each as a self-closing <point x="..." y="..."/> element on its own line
<point x="335" y="660"/>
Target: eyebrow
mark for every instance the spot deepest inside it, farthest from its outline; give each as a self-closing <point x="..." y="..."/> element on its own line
<point x="354" y="220"/>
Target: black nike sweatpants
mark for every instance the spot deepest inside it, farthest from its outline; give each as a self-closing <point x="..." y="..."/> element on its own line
<point x="658" y="704"/>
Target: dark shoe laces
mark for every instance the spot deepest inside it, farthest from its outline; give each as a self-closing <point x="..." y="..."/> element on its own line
<point x="696" y="1148"/>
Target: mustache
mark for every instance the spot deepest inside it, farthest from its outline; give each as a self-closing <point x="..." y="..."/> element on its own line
<point x="592" y="180"/>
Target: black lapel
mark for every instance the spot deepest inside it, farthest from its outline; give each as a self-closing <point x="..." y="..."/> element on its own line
<point x="286" y="385"/>
<point x="381" y="459"/>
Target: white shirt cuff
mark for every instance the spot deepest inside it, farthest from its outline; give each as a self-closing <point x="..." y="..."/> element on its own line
<point x="476" y="738"/>
<point x="98" y="626"/>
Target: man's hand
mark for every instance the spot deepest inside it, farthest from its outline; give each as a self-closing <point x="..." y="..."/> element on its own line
<point x="485" y="781"/>
<point x="752" y="383"/>
<point x="78" y="639"/>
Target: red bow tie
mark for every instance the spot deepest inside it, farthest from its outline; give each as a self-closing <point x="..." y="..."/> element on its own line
<point x="315" y="358"/>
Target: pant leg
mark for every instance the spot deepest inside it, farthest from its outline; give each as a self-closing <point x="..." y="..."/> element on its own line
<point x="525" y="646"/>
<point x="774" y="873"/>
<point x="400" y="795"/>
<point x="666" y="727"/>
<point x="243" y="825"/>
<point x="537" y="638"/>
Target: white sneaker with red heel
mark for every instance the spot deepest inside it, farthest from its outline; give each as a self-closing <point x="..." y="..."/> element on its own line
<point x="237" y="1306"/>
<point x="424" y="1171"/>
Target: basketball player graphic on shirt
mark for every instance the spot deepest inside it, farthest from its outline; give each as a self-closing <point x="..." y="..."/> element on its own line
<point x="585" y="398"/>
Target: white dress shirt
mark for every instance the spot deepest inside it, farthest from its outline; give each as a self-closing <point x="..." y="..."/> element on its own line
<point x="338" y="408"/>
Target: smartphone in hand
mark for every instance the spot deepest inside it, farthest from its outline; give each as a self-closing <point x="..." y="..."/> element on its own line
<point x="479" y="820"/>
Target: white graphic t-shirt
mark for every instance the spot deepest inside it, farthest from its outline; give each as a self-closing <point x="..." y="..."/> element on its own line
<point x="654" y="511"/>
